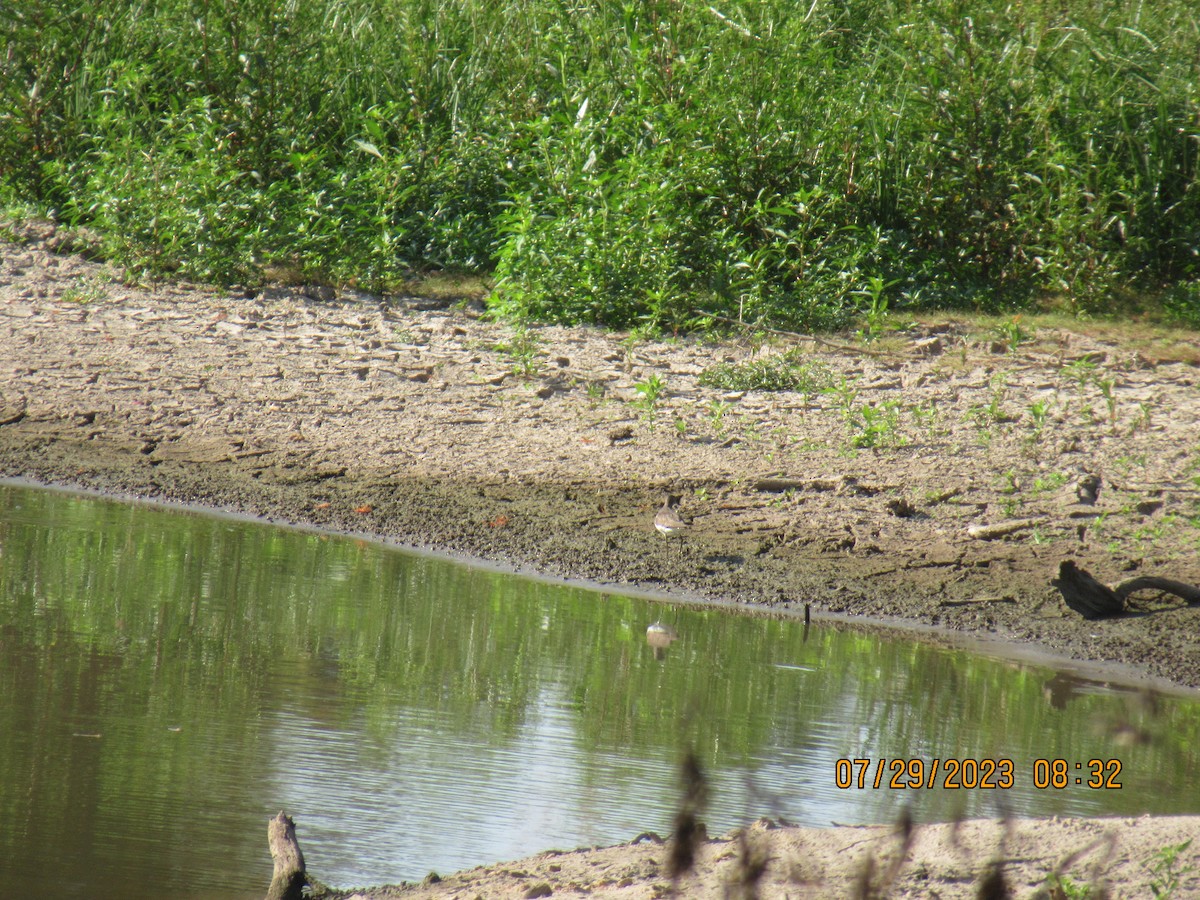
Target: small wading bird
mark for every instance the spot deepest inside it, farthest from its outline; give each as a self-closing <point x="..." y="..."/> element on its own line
<point x="669" y="521"/>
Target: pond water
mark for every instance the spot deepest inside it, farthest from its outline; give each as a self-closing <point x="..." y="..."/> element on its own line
<point x="171" y="680"/>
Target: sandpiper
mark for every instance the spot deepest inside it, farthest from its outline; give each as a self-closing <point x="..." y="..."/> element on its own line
<point x="669" y="521"/>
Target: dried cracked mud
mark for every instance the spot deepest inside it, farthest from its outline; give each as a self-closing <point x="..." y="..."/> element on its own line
<point x="935" y="477"/>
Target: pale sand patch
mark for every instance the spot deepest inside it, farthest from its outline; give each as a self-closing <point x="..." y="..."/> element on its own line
<point x="944" y="861"/>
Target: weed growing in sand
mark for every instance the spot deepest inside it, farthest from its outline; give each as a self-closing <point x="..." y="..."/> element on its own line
<point x="1009" y="483"/>
<point x="628" y="344"/>
<point x="1012" y="334"/>
<point x="1106" y="389"/>
<point x="1038" y="410"/>
<point x="522" y="349"/>
<point x="1192" y="468"/>
<point x="875" y="315"/>
<point x="874" y="424"/>
<point x="1081" y="371"/>
<point x="1046" y="483"/>
<point x="1151" y="534"/>
<point x="993" y="413"/>
<point x="1125" y="465"/>
<point x="717" y="410"/>
<point x="1166" y="878"/>
<point x="750" y="432"/>
<point x="1060" y="886"/>
<point x="651" y="390"/>
<point x="926" y="417"/>
<point x="1141" y="422"/>
<point x="83" y="292"/>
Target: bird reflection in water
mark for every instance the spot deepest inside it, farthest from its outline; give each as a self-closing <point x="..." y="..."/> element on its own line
<point x="660" y="637"/>
<point x="1128" y="727"/>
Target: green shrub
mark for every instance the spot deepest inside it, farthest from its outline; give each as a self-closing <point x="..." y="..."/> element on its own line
<point x="637" y="164"/>
<point x="1182" y="304"/>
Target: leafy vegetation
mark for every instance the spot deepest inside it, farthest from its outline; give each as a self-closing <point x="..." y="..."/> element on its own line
<point x="637" y="164"/>
<point x="788" y="371"/>
<point x="523" y="349"/>
<point x="1166" y="877"/>
<point x="874" y="424"/>
<point x="649" y="392"/>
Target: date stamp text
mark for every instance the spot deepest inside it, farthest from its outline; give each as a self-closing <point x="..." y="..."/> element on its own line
<point x="975" y="774"/>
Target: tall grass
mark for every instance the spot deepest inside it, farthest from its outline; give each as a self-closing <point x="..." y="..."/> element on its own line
<point x="637" y="163"/>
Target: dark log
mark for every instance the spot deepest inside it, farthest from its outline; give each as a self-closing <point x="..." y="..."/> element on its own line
<point x="1094" y="600"/>
<point x="1189" y="593"/>
<point x="779" y="484"/>
<point x="1085" y="594"/>
<point x="289" y="878"/>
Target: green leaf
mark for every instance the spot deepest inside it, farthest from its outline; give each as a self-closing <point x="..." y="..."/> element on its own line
<point x="368" y="147"/>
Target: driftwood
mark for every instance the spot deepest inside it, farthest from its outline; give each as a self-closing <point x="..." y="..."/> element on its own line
<point x="1095" y="600"/>
<point x="1189" y="593"/>
<point x="1085" y="594"/>
<point x="289" y="878"/>
<point x="987" y="532"/>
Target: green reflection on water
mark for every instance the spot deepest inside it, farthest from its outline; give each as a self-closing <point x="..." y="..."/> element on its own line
<point x="168" y="681"/>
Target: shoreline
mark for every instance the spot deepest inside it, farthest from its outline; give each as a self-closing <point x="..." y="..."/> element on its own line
<point x="991" y="646"/>
<point x="949" y="860"/>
